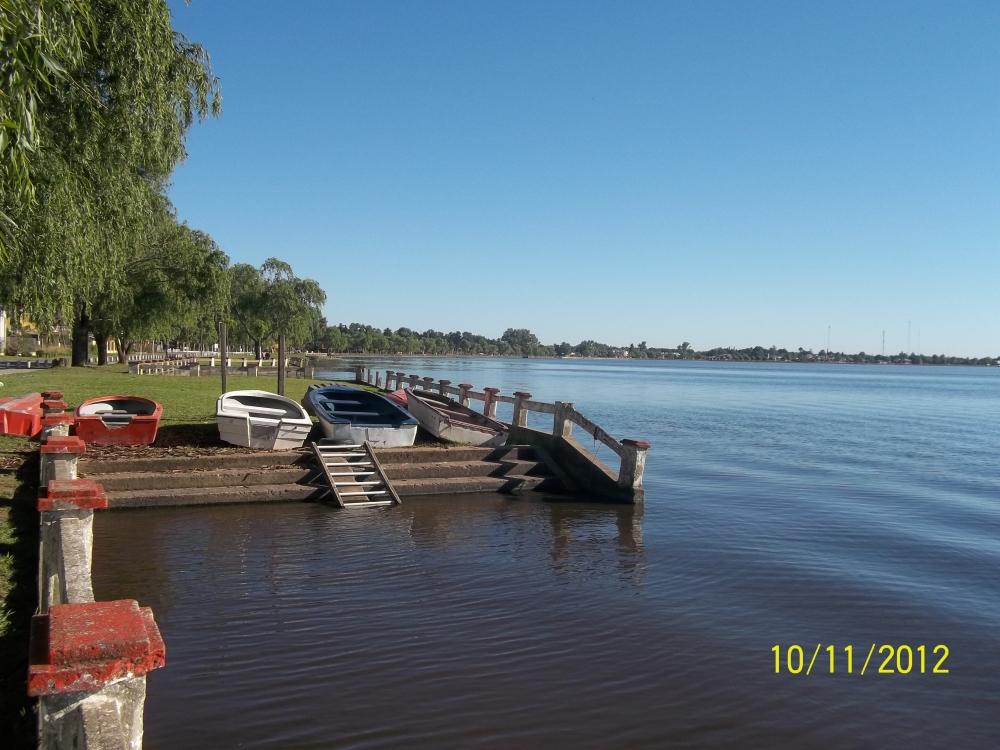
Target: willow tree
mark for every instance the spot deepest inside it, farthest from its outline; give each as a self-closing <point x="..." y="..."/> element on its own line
<point x="175" y="278"/>
<point x="109" y="131"/>
<point x="271" y="300"/>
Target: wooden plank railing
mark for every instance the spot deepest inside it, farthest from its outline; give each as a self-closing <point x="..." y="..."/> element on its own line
<point x="632" y="453"/>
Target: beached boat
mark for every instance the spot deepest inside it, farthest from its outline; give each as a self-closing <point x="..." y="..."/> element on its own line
<point x="21" y="415"/>
<point x="352" y="415"/>
<point x="118" y="420"/>
<point x="447" y="419"/>
<point x="261" y="420"/>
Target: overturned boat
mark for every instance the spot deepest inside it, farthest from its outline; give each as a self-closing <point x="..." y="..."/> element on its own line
<point x="447" y="419"/>
<point x="118" y="420"/>
<point x="354" y="416"/>
<point x="21" y="415"/>
<point x="261" y="420"/>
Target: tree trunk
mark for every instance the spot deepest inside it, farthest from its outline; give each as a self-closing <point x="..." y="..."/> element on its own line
<point x="124" y="349"/>
<point x="81" y="336"/>
<point x="102" y="350"/>
<point x="258" y="349"/>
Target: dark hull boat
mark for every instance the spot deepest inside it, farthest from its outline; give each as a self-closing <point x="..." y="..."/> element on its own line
<point x="351" y="415"/>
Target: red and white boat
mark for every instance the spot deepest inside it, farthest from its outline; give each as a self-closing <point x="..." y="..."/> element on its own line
<point x="118" y="420"/>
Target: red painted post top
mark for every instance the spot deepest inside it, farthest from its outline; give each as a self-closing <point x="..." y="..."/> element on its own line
<point x="52" y="404"/>
<point x="640" y="444"/>
<point x="86" y="646"/>
<point x="465" y="386"/>
<point x="72" y="494"/>
<point x="445" y="382"/>
<point x="522" y="394"/>
<point x="52" y="394"/>
<point x="63" y="444"/>
<point x="491" y="390"/>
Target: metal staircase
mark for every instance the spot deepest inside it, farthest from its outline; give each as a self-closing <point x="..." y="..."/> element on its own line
<point x="355" y="477"/>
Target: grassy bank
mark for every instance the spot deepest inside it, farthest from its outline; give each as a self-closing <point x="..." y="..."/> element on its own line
<point x="185" y="400"/>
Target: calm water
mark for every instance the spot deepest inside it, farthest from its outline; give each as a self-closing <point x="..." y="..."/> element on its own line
<point x="784" y="505"/>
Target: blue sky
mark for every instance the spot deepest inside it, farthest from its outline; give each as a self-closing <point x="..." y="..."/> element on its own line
<point x="719" y="173"/>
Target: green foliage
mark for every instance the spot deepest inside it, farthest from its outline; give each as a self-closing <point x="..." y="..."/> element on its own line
<point x="271" y="300"/>
<point x="107" y="134"/>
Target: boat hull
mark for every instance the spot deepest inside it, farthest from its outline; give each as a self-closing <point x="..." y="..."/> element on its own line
<point x="454" y="430"/>
<point x="21" y="415"/>
<point x="135" y="428"/>
<point x="379" y="437"/>
<point x="261" y="436"/>
<point x="352" y="415"/>
<point x="261" y="421"/>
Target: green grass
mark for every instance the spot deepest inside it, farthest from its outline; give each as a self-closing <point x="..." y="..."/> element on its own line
<point x="185" y="400"/>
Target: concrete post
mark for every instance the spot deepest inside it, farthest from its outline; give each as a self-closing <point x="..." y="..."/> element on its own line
<point x="463" y="393"/>
<point x="520" y="418"/>
<point x="3" y="330"/>
<point x="211" y="362"/>
<point x="58" y="458"/>
<point x="414" y="382"/>
<point x="400" y="381"/>
<point x="389" y="375"/>
<point x="561" y="426"/>
<point x="427" y="383"/>
<point x="195" y="371"/>
<point x="55" y="420"/>
<point x="244" y="363"/>
<point x="378" y="380"/>
<point x="87" y="667"/>
<point x="359" y="373"/>
<point x="490" y="404"/>
<point x="443" y="387"/>
<point x="65" y="549"/>
<point x="371" y="378"/>
<point x="633" y="463"/>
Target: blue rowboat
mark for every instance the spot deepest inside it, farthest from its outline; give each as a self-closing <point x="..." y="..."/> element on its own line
<point x="352" y="415"/>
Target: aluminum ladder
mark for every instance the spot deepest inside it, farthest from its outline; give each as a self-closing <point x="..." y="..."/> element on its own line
<point x="355" y="476"/>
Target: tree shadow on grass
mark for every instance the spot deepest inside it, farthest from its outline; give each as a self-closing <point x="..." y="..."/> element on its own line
<point x="17" y="710"/>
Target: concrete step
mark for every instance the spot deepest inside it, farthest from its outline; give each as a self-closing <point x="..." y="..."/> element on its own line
<point x="463" y="485"/>
<point x="265" y="493"/>
<point x="444" y="453"/>
<point x="447" y="469"/>
<point x="128" y="481"/>
<point x="258" y="460"/>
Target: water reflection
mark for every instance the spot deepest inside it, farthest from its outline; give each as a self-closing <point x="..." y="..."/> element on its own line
<point x="581" y="539"/>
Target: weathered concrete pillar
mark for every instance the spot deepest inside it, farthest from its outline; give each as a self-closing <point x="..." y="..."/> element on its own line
<point x="520" y="417"/>
<point x="195" y="371"/>
<point x="87" y="667"/>
<point x="56" y="424"/>
<point x="58" y="457"/>
<point x="463" y="393"/>
<point x="428" y="382"/>
<point x="490" y="404"/>
<point x="389" y="375"/>
<point x="400" y="380"/>
<point x="633" y="463"/>
<point x="359" y="373"/>
<point x="66" y="540"/>
<point x="244" y="363"/>
<point x="561" y="426"/>
<point x="3" y="329"/>
<point x="211" y="362"/>
<point x="443" y="387"/>
<point x="414" y="381"/>
<point x="378" y="380"/>
<point x="371" y="378"/>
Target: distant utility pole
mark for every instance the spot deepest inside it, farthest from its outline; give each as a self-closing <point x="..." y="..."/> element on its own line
<point x="883" y="343"/>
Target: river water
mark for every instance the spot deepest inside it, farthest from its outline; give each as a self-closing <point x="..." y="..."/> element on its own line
<point x="785" y="505"/>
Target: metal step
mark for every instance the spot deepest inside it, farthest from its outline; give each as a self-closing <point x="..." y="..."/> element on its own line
<point x="347" y="467"/>
<point x="372" y="504"/>
<point x="358" y="484"/>
<point x="369" y="493"/>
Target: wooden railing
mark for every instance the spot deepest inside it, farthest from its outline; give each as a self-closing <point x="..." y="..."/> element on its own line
<point x="632" y="453"/>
